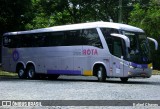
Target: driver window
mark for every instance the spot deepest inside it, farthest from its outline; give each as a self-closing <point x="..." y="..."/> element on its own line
<point x="117" y="47"/>
<point x="112" y="44"/>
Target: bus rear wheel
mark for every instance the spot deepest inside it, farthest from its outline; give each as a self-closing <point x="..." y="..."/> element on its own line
<point x="101" y="74"/>
<point x="31" y="72"/>
<point x="124" y="80"/>
<point x="21" y="72"/>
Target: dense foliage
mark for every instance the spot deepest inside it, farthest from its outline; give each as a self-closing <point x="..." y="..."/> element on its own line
<point x="14" y="14"/>
<point x="148" y="18"/>
<point x="31" y="14"/>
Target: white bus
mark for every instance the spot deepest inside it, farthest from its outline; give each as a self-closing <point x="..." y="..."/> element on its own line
<point x="101" y="49"/>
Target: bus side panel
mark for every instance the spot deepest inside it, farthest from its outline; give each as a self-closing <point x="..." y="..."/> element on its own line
<point x="78" y="60"/>
<point x="60" y="61"/>
<point x="92" y="56"/>
<point x="10" y="57"/>
<point x="6" y="56"/>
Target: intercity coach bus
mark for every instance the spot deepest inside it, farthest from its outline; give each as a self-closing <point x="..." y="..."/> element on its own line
<point x="101" y="49"/>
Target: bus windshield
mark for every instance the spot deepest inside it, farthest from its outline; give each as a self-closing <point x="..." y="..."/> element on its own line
<point x="139" y="51"/>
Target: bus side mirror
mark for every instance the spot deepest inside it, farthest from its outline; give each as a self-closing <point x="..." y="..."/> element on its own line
<point x="125" y="38"/>
<point x="155" y="42"/>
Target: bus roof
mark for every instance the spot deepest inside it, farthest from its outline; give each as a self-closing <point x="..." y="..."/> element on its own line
<point x="80" y="26"/>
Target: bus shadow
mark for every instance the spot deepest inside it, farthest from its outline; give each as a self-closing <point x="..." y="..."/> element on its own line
<point x="134" y="82"/>
<point x="139" y="81"/>
<point x="9" y="78"/>
<point x="111" y="81"/>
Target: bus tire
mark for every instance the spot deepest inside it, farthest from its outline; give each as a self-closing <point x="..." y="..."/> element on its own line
<point x="101" y="74"/>
<point x="31" y="74"/>
<point x="53" y="77"/>
<point x="124" y="79"/>
<point x="21" y="72"/>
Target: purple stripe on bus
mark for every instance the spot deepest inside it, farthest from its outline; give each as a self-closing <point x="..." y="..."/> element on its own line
<point x="139" y="65"/>
<point x="64" y="72"/>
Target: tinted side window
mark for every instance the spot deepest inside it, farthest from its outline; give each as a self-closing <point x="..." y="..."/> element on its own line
<point x="91" y="37"/>
<point x="53" y="39"/>
<point x="61" y="38"/>
<point x="72" y="38"/>
<point x="117" y="47"/>
<point x="82" y="37"/>
<point x="109" y="39"/>
<point x="6" y="41"/>
<point x="12" y="41"/>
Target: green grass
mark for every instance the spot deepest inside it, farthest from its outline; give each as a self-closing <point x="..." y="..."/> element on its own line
<point x="156" y="72"/>
<point x="8" y="74"/>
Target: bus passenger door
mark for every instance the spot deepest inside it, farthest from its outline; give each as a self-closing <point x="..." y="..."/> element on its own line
<point x="117" y="57"/>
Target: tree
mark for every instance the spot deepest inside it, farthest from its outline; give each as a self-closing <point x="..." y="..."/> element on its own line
<point x="13" y="14"/>
<point x="149" y="19"/>
<point x="128" y="6"/>
<point x="58" y="12"/>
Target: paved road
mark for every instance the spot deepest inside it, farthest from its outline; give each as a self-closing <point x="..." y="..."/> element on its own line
<point x="79" y="88"/>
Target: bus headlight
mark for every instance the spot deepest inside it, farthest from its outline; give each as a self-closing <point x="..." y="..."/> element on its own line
<point x="131" y="67"/>
<point x="151" y="67"/>
<point x="129" y="73"/>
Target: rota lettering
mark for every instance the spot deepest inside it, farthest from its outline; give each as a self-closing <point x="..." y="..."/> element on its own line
<point x="90" y="52"/>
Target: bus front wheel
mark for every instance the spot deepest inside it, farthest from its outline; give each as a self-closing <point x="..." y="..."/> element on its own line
<point x="101" y="74"/>
<point x="31" y="72"/>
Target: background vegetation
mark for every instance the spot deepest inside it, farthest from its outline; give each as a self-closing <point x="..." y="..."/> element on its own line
<point x="31" y="14"/>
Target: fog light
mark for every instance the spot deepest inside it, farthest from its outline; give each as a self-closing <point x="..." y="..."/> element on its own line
<point x="129" y="73"/>
<point x="150" y="66"/>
